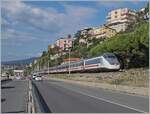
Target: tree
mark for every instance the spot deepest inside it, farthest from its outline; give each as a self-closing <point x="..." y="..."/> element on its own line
<point x="44" y="53"/>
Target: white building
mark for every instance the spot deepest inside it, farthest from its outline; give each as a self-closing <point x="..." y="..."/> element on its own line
<point x="119" y="19"/>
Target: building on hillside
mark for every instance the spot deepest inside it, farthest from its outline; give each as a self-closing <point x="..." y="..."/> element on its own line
<point x="18" y="73"/>
<point x="64" y="43"/>
<point x="83" y="34"/>
<point x="71" y="60"/>
<point x="119" y="19"/>
<point x="84" y="41"/>
<point x="54" y="56"/>
<point x="35" y="61"/>
<point x="142" y="12"/>
<point x="102" y="32"/>
<point x="51" y="47"/>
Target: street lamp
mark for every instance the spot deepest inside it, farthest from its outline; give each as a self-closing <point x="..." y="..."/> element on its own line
<point x="69" y="62"/>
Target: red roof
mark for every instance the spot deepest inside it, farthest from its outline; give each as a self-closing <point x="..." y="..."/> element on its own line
<point x="71" y="59"/>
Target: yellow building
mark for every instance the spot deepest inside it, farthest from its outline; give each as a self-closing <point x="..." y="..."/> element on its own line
<point x="103" y="32"/>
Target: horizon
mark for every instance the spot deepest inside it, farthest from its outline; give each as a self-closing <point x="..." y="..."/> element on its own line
<point x="28" y="27"/>
<point x="19" y="59"/>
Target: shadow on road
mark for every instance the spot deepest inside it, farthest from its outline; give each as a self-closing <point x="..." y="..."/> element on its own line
<point x="2" y="99"/>
<point x="7" y="87"/>
<point x="15" y="112"/>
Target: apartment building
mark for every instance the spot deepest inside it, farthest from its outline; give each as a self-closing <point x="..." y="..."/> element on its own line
<point x="102" y="32"/>
<point x="143" y="14"/>
<point x="83" y="34"/>
<point x="119" y="19"/>
<point x="64" y="43"/>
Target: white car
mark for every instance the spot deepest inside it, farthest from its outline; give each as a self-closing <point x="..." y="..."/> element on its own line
<point x="34" y="76"/>
<point x="18" y="77"/>
<point x="38" y="78"/>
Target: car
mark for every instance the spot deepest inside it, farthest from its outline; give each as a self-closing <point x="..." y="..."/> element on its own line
<point x="18" y="77"/>
<point x="34" y="76"/>
<point x="38" y="78"/>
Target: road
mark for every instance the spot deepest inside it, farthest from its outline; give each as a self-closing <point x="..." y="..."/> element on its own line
<point x="14" y="96"/>
<point x="61" y="97"/>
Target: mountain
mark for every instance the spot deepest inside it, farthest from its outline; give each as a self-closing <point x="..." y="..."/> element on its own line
<point x="19" y="62"/>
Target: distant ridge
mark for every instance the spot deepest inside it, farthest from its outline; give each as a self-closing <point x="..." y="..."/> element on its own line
<point x="19" y="62"/>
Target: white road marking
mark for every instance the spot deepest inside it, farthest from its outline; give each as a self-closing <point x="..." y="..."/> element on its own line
<point x="141" y="111"/>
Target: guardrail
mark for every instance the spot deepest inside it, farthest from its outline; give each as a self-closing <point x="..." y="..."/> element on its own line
<point x="40" y="100"/>
<point x="30" y="104"/>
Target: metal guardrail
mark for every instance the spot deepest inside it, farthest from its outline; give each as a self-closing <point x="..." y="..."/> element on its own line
<point x="40" y="100"/>
<point x="30" y="104"/>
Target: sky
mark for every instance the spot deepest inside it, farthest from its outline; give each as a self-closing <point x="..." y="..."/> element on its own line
<point x="28" y="27"/>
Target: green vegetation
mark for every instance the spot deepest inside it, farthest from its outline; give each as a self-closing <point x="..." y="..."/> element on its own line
<point x="132" y="48"/>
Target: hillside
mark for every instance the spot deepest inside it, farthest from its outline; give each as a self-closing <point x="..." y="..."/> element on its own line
<point x="132" y="48"/>
<point x="19" y="62"/>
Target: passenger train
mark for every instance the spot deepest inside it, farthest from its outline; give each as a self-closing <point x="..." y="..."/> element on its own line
<point x="105" y="62"/>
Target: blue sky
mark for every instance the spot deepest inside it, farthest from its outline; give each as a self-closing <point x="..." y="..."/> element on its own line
<point x="29" y="27"/>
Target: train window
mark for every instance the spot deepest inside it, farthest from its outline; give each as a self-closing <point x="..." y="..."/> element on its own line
<point x="93" y="61"/>
<point x="111" y="57"/>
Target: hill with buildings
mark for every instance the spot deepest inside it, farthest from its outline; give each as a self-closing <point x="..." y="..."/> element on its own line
<point x="131" y="47"/>
<point x="125" y="33"/>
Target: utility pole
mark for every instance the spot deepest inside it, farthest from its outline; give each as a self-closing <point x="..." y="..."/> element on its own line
<point x="48" y="64"/>
<point x="69" y="62"/>
<point x="39" y="66"/>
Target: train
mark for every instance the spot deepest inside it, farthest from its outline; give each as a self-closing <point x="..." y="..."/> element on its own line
<point x="104" y="62"/>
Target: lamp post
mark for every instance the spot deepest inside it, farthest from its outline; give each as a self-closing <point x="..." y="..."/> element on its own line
<point x="69" y="62"/>
<point x="48" y="63"/>
<point x="48" y="66"/>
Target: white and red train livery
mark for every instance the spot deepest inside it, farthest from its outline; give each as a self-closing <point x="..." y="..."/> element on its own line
<point x="107" y="61"/>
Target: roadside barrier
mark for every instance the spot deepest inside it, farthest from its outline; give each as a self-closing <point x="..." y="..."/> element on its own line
<point x="30" y="104"/>
<point x="43" y="106"/>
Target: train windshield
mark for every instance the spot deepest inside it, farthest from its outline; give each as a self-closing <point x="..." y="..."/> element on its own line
<point x="112" y="59"/>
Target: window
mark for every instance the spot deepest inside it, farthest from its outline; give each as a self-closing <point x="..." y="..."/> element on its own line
<point x="109" y="56"/>
<point x="93" y="61"/>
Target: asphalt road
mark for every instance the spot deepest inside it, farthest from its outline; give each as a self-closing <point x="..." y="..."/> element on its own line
<point x="14" y="96"/>
<point x="61" y="97"/>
